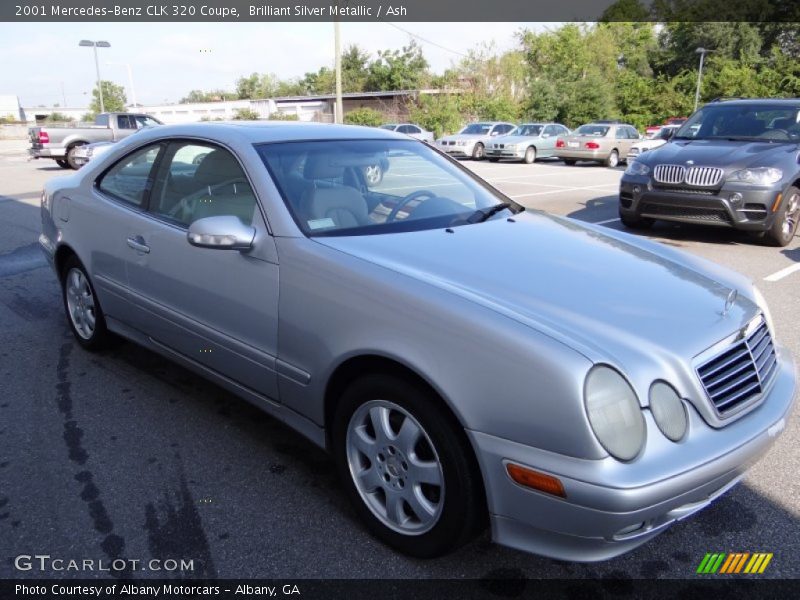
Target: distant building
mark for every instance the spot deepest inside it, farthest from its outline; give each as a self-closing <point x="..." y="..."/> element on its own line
<point x="10" y="108"/>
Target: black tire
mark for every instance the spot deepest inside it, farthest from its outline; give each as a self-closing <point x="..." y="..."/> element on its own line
<point x="100" y="337"/>
<point x="493" y="159"/>
<point x="530" y="155"/>
<point x="787" y="217"/>
<point x="71" y="155"/>
<point x="612" y="160"/>
<point x="463" y="509"/>
<point x="478" y="152"/>
<point x="62" y="163"/>
<point x="635" y="221"/>
<point x="570" y="162"/>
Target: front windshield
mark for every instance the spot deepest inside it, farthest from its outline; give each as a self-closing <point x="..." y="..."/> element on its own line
<point x="596" y="130"/>
<point x="527" y="130"/>
<point x="363" y="187"/>
<point x="756" y="122"/>
<point x="477" y="129"/>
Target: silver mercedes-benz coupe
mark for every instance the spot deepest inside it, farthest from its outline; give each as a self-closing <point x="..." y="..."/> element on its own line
<point x="464" y="360"/>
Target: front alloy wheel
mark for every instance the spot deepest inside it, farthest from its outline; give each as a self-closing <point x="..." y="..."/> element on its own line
<point x="373" y="174"/>
<point x="786" y="221"/>
<point x="395" y="467"/>
<point x="407" y="465"/>
<point x="478" y="152"/>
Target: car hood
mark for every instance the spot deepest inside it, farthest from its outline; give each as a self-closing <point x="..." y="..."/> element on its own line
<point x="649" y="144"/>
<point x="465" y="136"/>
<point x="514" y="139"/>
<point x="604" y="295"/>
<point x="722" y="153"/>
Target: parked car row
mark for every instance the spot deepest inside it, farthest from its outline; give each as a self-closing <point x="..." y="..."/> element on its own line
<point x="606" y="142"/>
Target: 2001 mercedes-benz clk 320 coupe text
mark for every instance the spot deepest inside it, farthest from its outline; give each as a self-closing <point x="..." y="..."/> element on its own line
<point x="461" y="358"/>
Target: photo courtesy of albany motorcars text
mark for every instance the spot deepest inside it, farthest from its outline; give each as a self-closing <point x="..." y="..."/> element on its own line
<point x="553" y="397"/>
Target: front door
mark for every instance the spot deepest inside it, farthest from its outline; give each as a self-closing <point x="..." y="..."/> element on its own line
<point x="216" y="307"/>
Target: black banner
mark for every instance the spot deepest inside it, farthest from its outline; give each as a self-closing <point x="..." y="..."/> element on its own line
<point x="401" y="10"/>
<point x="730" y="588"/>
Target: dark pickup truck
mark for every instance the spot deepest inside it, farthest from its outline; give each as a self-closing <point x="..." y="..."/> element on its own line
<point x="734" y="163"/>
<point x="58" y="142"/>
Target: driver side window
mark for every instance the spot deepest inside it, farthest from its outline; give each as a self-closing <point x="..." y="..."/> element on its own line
<point x="200" y="180"/>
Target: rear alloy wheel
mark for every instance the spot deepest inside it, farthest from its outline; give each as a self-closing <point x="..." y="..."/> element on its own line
<point x="478" y="152"/>
<point x="71" y="156"/>
<point x="635" y="221"/>
<point x="405" y="467"/>
<point x="84" y="314"/>
<point x="613" y="159"/>
<point x="530" y="155"/>
<point x="62" y="163"/>
<point x="786" y="221"/>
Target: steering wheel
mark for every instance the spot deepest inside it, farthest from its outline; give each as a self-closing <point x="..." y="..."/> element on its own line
<point x="406" y="199"/>
<point x="188" y="203"/>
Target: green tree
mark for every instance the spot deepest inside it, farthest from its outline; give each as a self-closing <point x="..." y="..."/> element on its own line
<point x="354" y="69"/>
<point x="364" y="116"/>
<point x="404" y="69"/>
<point x="114" y="98"/>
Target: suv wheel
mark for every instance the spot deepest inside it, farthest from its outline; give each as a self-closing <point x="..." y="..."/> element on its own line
<point x="784" y="227"/>
<point x="71" y="156"/>
<point x="405" y="467"/>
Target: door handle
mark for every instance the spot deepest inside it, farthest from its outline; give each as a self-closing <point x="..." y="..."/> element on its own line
<point x="137" y="243"/>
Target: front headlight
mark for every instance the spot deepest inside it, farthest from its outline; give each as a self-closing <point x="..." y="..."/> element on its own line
<point x="614" y="413"/>
<point x="637" y="168"/>
<point x="668" y="411"/>
<point x="757" y="176"/>
<point x="511" y="146"/>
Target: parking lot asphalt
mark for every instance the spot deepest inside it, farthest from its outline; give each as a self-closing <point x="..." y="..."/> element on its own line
<point x="123" y="454"/>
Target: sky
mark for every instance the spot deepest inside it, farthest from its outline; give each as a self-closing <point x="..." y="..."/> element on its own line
<point x="168" y="59"/>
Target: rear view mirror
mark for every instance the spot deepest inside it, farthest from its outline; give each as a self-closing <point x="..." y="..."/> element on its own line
<point x="224" y="232"/>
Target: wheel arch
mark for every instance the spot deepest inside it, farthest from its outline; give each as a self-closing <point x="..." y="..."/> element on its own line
<point x="363" y="364"/>
<point x="62" y="254"/>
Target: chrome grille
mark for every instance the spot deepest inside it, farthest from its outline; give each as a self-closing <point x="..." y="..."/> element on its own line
<point x="669" y="173"/>
<point x="704" y="176"/>
<point x="741" y="372"/>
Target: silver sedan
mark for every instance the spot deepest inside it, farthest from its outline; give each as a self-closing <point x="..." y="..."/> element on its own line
<point x="464" y="360"/>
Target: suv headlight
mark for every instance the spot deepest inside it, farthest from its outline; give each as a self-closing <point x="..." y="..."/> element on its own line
<point x="614" y="413"/>
<point x="668" y="411"/>
<point x="637" y="168"/>
<point x="758" y="176"/>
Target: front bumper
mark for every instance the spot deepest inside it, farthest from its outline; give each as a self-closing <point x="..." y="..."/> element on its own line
<point x="463" y="151"/>
<point x="505" y="153"/>
<point x="612" y="507"/>
<point x="734" y="205"/>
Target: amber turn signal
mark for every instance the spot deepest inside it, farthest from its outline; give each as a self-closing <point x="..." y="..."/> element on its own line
<point x="535" y="480"/>
<point x="777" y="202"/>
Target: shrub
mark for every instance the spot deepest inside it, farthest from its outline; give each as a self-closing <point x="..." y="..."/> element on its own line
<point x="364" y="116"/>
<point x="278" y="116"/>
<point x="245" y="114"/>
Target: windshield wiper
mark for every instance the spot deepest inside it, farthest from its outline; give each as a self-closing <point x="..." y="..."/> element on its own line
<point x="482" y="214"/>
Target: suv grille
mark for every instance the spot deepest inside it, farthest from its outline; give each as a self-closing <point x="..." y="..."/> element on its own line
<point x="690" y="213"/>
<point x="676" y="174"/>
<point x="741" y="372"/>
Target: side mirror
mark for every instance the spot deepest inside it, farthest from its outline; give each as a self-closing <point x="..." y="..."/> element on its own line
<point x="494" y="133"/>
<point x="224" y="232"/>
<point x="667" y="135"/>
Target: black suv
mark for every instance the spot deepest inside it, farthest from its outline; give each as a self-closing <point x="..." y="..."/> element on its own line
<point x="734" y="163"/>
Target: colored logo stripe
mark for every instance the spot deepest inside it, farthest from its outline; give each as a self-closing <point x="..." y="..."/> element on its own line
<point x="734" y="562"/>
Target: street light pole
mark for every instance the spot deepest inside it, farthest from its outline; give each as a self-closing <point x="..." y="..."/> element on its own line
<point x="339" y="116"/>
<point x="702" y="52"/>
<point x="130" y="79"/>
<point x="95" y="46"/>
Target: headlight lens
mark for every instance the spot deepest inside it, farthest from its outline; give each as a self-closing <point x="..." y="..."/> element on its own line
<point x="614" y="413"/>
<point x="637" y="168"/>
<point x="668" y="411"/>
<point x="758" y="176"/>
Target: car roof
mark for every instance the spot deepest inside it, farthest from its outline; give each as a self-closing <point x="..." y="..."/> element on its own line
<point x="256" y="132"/>
<point x="745" y="101"/>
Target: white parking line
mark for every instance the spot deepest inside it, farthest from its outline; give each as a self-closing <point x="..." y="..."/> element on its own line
<point x="778" y="275"/>
<point x="606" y="221"/>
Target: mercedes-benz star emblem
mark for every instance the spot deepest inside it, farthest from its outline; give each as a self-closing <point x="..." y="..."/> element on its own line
<point x="729" y="302"/>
